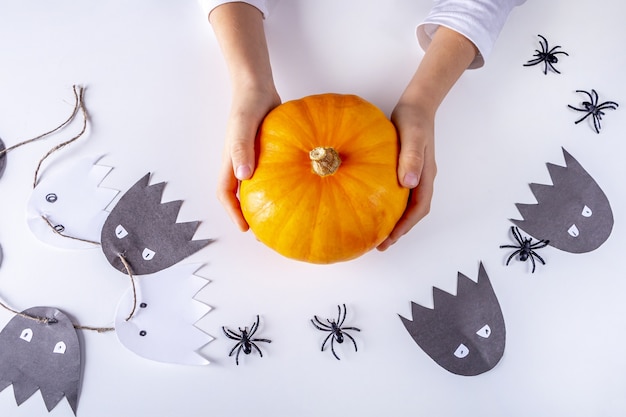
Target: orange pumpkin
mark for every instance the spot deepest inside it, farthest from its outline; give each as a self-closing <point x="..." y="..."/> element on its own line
<point x="325" y="187"/>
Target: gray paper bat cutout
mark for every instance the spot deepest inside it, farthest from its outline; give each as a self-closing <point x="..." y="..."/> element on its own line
<point x="464" y="333"/>
<point x="144" y="231"/>
<point x="3" y="158"/>
<point x="39" y="356"/>
<point x="574" y="214"/>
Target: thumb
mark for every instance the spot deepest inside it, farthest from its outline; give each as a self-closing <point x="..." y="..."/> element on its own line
<point x="410" y="161"/>
<point x="241" y="147"/>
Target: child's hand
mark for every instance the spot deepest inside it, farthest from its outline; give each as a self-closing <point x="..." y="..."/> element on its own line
<point x="250" y="105"/>
<point x="416" y="165"/>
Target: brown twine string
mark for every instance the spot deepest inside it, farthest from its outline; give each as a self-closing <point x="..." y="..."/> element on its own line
<point x="43" y="320"/>
<point x="80" y="105"/>
<point x="132" y="282"/>
<point x="121" y="256"/>
<point x="68" y="236"/>
<point x="59" y="127"/>
<point x="47" y="320"/>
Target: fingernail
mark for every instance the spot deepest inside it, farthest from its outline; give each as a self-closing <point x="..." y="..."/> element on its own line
<point x="243" y="172"/>
<point x="410" y="180"/>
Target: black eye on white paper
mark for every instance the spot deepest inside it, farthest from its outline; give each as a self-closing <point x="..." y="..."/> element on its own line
<point x="51" y="198"/>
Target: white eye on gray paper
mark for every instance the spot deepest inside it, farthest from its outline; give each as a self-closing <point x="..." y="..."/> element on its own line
<point x="60" y="347"/>
<point x="573" y="231"/>
<point x="120" y="232"/>
<point x="586" y="212"/>
<point x="461" y="351"/>
<point x="148" y="254"/>
<point x="484" y="331"/>
<point x="27" y="334"/>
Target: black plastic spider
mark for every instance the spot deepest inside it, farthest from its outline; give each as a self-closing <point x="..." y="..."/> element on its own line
<point x="547" y="56"/>
<point x="593" y="108"/>
<point x="245" y="341"/>
<point x="336" y="331"/>
<point x="526" y="248"/>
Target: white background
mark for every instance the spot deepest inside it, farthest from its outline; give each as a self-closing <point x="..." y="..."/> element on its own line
<point x="158" y="95"/>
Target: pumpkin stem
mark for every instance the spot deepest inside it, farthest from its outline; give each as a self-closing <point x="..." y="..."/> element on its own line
<point x="325" y="161"/>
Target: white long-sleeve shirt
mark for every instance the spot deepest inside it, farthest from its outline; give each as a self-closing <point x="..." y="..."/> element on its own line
<point x="480" y="21"/>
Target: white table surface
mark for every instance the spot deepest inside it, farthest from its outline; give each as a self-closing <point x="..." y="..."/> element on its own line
<point x="158" y="97"/>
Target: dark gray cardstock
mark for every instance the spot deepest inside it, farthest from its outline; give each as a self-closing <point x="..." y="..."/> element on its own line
<point x="574" y="214"/>
<point x="41" y="356"/>
<point x="144" y="231"/>
<point x="464" y="333"/>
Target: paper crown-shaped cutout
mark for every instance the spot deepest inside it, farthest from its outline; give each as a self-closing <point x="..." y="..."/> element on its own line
<point x="574" y="214"/>
<point x="71" y="201"/>
<point x="144" y="231"/>
<point x="163" y="326"/>
<point x="463" y="333"/>
<point x="35" y="355"/>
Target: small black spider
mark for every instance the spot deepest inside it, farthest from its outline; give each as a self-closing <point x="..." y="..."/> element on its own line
<point x="336" y="332"/>
<point x="593" y="108"/>
<point x="547" y="56"/>
<point x="526" y="248"/>
<point x="245" y="341"/>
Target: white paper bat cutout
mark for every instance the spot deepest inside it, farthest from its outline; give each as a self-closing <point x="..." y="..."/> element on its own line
<point x="71" y="200"/>
<point x="163" y="325"/>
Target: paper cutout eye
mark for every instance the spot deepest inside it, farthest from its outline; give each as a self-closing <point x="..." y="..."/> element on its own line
<point x="461" y="352"/>
<point x="484" y="331"/>
<point x="120" y="232"/>
<point x="59" y="348"/>
<point x="148" y="254"/>
<point x="51" y="198"/>
<point x="143" y="333"/>
<point x="27" y="334"/>
<point x="586" y="212"/>
<point x="573" y="231"/>
<point x="59" y="228"/>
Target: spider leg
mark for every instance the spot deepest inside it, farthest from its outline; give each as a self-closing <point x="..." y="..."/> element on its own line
<point x="517" y="235"/>
<point x="341" y="319"/>
<point x="254" y="327"/>
<point x="238" y="352"/>
<point x="540" y="244"/>
<point x="257" y="349"/>
<point x="332" y="348"/>
<point x="582" y="118"/>
<point x="351" y="328"/>
<point x="608" y="105"/>
<point x="326" y="340"/>
<point x="512" y="255"/>
<point x="533" y="253"/>
<point x="260" y="340"/>
<point x="353" y="341"/>
<point x="532" y="259"/>
<point x="532" y="62"/>
<point x="317" y="323"/>
<point x="552" y="67"/>
<point x="230" y="334"/>
<point x="238" y="345"/>
<point x="596" y="122"/>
